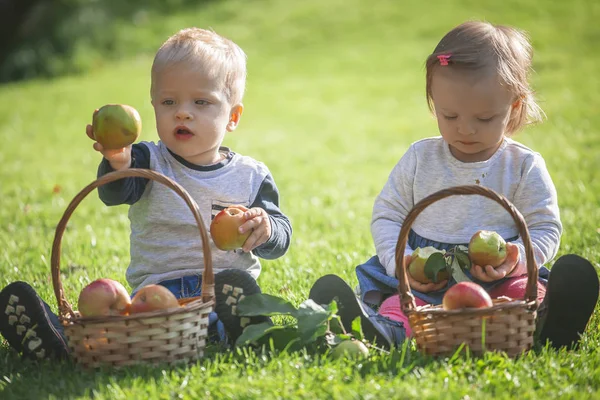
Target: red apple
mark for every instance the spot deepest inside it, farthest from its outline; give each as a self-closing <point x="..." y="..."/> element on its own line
<point x="464" y="295"/>
<point x="224" y="228"/>
<point x="103" y="297"/>
<point x="152" y="298"/>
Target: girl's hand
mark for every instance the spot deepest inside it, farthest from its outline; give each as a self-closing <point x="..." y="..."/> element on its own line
<point x="118" y="158"/>
<point x="422" y="287"/>
<point x="257" y="221"/>
<point x="488" y="273"/>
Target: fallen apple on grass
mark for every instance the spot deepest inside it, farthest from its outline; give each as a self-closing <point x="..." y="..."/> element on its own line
<point x="152" y="298"/>
<point x="224" y="228"/>
<point x="350" y="348"/>
<point x="115" y="126"/>
<point x="487" y="248"/>
<point x="418" y="269"/>
<point x="103" y="297"/>
<point x="466" y="295"/>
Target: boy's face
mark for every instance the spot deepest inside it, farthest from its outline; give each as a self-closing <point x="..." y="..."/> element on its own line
<point x="472" y="113"/>
<point x="193" y="113"/>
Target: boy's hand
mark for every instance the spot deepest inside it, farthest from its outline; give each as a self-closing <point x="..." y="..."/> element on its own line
<point x="422" y="287"/>
<point x="257" y="221"/>
<point x="488" y="273"/>
<point x="118" y="158"/>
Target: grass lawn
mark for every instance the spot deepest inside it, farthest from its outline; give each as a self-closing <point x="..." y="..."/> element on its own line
<point x="335" y="96"/>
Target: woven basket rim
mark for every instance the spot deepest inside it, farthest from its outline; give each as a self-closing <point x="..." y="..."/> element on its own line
<point x="185" y="308"/>
<point x="502" y="305"/>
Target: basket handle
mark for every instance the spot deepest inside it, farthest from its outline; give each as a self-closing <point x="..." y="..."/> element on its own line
<point x="407" y="300"/>
<point x="208" y="285"/>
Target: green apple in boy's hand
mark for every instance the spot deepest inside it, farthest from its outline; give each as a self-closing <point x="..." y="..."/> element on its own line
<point x="417" y="269"/>
<point x="487" y="248"/>
<point x="225" y="228"/>
<point x="115" y="126"/>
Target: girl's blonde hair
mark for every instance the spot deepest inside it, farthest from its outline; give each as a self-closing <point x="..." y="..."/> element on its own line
<point x="208" y="51"/>
<point x="474" y="46"/>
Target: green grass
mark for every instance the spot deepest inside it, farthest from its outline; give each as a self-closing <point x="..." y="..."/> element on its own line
<point x="335" y="96"/>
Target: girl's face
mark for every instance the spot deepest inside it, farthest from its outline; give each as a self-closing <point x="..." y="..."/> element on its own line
<point x="472" y="112"/>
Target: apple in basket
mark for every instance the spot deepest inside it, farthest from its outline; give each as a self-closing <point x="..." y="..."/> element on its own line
<point x="103" y="297"/>
<point x="115" y="126"/>
<point x="152" y="298"/>
<point x="224" y="228"/>
<point x="418" y="260"/>
<point x="466" y="295"/>
<point x="487" y="248"/>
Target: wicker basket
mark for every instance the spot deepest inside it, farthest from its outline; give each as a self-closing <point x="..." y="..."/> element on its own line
<point x="507" y="326"/>
<point x="174" y="335"/>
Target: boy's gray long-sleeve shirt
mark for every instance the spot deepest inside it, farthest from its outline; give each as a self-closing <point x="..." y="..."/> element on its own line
<point x="515" y="171"/>
<point x="165" y="240"/>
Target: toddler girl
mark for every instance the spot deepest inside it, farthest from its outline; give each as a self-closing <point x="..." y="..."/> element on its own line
<point x="477" y="87"/>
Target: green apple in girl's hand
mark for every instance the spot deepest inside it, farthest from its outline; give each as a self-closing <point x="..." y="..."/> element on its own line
<point x="487" y="248"/>
<point x="115" y="126"/>
<point x="417" y="267"/>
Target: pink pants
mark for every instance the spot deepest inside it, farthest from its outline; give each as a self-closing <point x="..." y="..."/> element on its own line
<point x="513" y="288"/>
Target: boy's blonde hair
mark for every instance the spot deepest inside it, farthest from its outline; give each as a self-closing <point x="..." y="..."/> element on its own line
<point x="474" y="46"/>
<point x="208" y="51"/>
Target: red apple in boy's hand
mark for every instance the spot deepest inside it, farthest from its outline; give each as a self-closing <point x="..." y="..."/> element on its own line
<point x="224" y="228"/>
<point x="103" y="297"/>
<point x="152" y="298"/>
<point x="464" y="295"/>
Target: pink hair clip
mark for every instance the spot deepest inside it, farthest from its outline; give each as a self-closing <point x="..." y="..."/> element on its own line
<point x="444" y="58"/>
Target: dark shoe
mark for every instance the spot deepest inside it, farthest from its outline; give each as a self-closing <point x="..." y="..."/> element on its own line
<point x="28" y="324"/>
<point x="570" y="299"/>
<point x="231" y="286"/>
<point x="376" y="328"/>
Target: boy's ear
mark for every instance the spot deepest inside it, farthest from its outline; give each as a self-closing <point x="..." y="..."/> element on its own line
<point x="234" y="116"/>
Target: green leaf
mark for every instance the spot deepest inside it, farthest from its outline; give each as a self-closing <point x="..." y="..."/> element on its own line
<point x="463" y="259"/>
<point x="357" y="328"/>
<point x="313" y="320"/>
<point x="256" y="331"/>
<point x="333" y="339"/>
<point x="434" y="265"/>
<point x="264" y="304"/>
<point x="457" y="271"/>
<point x="286" y="339"/>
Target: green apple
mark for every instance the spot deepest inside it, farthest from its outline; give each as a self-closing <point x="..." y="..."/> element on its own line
<point x="115" y="126"/>
<point x="417" y="270"/>
<point x="350" y="348"/>
<point x="487" y="248"/>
